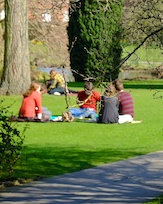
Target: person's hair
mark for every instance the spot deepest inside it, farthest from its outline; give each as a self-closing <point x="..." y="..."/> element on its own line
<point x="43" y="89"/>
<point x="88" y="86"/>
<point x="33" y="87"/>
<point x="53" y="72"/>
<point x="118" y="84"/>
<point x="111" y="90"/>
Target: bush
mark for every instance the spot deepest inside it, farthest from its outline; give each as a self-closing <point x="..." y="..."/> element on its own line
<point x="94" y="32"/>
<point x="11" y="141"/>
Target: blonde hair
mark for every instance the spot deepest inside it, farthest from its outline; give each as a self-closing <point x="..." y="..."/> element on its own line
<point x="33" y="87"/>
<point x="53" y="72"/>
<point x="111" y="90"/>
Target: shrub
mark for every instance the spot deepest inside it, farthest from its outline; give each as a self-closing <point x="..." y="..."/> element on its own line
<point x="11" y="141"/>
<point x="94" y="32"/>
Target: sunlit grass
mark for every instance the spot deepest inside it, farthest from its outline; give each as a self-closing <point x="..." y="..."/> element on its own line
<point x="55" y="148"/>
<point x="144" y="57"/>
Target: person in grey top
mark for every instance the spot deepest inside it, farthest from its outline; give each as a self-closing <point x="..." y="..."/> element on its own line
<point x="109" y="106"/>
<point x="109" y="109"/>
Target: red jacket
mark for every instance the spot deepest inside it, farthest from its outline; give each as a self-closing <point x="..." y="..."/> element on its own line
<point x="29" y="105"/>
<point x="92" y="101"/>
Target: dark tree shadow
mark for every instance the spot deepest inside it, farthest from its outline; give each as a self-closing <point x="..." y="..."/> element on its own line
<point x="46" y="162"/>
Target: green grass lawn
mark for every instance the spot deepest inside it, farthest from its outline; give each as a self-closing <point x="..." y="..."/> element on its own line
<point x="158" y="200"/>
<point x="144" y="57"/>
<point x="60" y="147"/>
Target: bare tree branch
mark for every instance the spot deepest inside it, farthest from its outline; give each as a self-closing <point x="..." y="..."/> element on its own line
<point x="145" y="39"/>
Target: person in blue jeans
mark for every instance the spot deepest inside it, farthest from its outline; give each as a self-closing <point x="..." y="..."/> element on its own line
<point x="57" y="85"/>
<point x="87" y="100"/>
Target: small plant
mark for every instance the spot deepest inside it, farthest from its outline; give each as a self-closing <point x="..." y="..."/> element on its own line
<point x="11" y="141"/>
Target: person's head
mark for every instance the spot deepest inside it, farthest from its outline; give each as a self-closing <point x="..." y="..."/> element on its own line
<point x="111" y="90"/>
<point x="35" y="86"/>
<point x="88" y="87"/>
<point x="53" y="72"/>
<point x="118" y="84"/>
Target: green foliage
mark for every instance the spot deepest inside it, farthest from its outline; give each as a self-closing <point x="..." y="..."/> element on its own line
<point x="94" y="38"/>
<point x="158" y="200"/>
<point x="11" y="141"/>
<point x="140" y="19"/>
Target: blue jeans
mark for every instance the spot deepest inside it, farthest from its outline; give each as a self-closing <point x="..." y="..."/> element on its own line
<point x="59" y="89"/>
<point x="84" y="113"/>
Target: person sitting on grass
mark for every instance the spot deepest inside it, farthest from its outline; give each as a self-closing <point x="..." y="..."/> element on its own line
<point x="57" y="85"/>
<point x="109" y="108"/>
<point x="126" y="105"/>
<point x="87" y="101"/>
<point x="31" y="108"/>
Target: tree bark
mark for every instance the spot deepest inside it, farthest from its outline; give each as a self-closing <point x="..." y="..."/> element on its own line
<point x="16" y="72"/>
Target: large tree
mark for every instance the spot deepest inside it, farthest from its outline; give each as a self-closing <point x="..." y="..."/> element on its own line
<point x="16" y="72"/>
<point x="94" y="37"/>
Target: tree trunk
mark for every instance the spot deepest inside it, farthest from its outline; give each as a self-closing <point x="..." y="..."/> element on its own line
<point x="16" y="72"/>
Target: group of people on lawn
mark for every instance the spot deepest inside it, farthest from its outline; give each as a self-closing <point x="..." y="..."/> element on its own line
<point x="115" y="104"/>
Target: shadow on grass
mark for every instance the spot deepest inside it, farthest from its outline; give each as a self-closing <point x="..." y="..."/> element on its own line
<point x="136" y="85"/>
<point x="47" y="162"/>
<point x="76" y="84"/>
<point x="124" y="182"/>
<point x="143" y="86"/>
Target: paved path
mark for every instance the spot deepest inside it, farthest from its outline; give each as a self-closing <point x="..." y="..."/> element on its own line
<point x="129" y="181"/>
